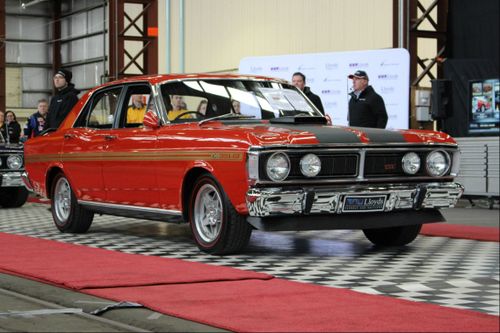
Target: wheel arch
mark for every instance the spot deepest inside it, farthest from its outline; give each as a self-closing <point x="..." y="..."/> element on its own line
<point x="49" y="179"/>
<point x="187" y="186"/>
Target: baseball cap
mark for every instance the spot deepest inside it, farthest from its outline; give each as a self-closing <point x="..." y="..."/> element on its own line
<point x="359" y="75"/>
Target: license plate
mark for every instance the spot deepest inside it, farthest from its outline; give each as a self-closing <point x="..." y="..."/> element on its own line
<point x="373" y="203"/>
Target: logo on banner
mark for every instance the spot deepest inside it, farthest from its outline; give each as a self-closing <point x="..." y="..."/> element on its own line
<point x="387" y="90"/>
<point x="330" y="92"/>
<point x="385" y="63"/>
<point x="331" y="66"/>
<point x="330" y="105"/>
<point x="388" y="76"/>
<point x="278" y="69"/>
<point x="359" y="65"/>
<point x="256" y="69"/>
<point x="305" y="68"/>
<point x="331" y="79"/>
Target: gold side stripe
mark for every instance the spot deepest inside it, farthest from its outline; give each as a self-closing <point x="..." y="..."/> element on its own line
<point x="139" y="156"/>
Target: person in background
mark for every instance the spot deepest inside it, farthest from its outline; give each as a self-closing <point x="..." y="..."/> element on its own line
<point x="299" y="80"/>
<point x="202" y="107"/>
<point x="236" y="106"/>
<point x="10" y="130"/>
<point x="178" y="108"/>
<point x="3" y="127"/>
<point x="366" y="107"/>
<point x="135" y="112"/>
<point x="63" y="101"/>
<point x="36" y="122"/>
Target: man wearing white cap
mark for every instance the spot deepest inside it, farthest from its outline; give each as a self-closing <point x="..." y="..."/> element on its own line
<point x="366" y="107"/>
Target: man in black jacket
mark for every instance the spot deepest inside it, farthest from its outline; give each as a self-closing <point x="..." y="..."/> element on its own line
<point x="366" y="107"/>
<point x="64" y="99"/>
<point x="299" y="80"/>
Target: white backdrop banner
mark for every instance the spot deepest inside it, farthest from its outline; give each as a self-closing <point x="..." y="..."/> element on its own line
<point x="326" y="75"/>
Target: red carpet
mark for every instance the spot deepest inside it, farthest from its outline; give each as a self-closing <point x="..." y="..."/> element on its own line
<point x="490" y="234"/>
<point x="285" y="306"/>
<point x="226" y="297"/>
<point x="80" y="267"/>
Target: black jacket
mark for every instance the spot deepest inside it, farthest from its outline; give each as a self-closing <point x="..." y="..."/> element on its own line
<point x="60" y="105"/>
<point x="314" y="98"/>
<point x="11" y="132"/>
<point x="368" y="110"/>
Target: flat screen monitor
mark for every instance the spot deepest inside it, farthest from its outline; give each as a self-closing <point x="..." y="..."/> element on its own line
<point x="484" y="113"/>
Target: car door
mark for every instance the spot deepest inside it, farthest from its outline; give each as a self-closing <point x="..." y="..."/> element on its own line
<point x="85" y="144"/>
<point x="129" y="166"/>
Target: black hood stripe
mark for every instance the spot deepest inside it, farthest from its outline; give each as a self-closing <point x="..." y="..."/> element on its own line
<point x="377" y="135"/>
<point x="332" y="134"/>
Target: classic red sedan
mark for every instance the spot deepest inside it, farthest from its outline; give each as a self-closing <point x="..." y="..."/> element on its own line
<point x="228" y="154"/>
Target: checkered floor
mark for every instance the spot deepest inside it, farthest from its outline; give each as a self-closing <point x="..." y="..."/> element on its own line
<point x="450" y="272"/>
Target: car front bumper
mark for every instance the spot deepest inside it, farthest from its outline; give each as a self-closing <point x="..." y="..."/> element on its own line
<point x="281" y="201"/>
<point x="11" y="179"/>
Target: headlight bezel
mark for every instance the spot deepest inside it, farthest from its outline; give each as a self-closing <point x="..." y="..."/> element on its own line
<point x="447" y="160"/>
<point x="274" y="156"/>
<point x="16" y="158"/>
<point x="303" y="166"/>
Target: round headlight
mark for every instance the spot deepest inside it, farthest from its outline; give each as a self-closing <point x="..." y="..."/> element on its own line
<point x="14" y="162"/>
<point x="437" y="163"/>
<point x="310" y="165"/>
<point x="278" y="166"/>
<point x="411" y="163"/>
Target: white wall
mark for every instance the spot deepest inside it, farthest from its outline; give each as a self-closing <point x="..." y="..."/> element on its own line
<point x="219" y="33"/>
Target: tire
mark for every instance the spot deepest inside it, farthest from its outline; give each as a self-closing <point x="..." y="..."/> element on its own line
<point x="394" y="236"/>
<point x="68" y="215"/>
<point x="13" y="197"/>
<point x="216" y="226"/>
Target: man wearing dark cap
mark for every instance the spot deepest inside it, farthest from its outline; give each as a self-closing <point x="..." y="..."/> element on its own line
<point x="63" y="101"/>
<point x="366" y="107"/>
<point x="299" y="80"/>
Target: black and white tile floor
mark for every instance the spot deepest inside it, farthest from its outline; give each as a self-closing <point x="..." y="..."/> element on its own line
<point x="451" y="272"/>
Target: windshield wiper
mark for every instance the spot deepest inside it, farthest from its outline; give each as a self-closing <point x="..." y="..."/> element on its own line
<point x="226" y="116"/>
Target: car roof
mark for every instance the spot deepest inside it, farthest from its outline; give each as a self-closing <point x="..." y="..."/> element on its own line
<point x="158" y="78"/>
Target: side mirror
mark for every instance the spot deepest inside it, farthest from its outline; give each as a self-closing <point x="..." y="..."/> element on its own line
<point x="151" y="120"/>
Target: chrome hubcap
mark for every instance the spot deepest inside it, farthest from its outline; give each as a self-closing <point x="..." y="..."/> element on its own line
<point x="62" y="200"/>
<point x="208" y="213"/>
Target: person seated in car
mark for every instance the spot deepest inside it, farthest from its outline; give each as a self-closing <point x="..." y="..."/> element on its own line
<point x="178" y="107"/>
<point x="236" y="106"/>
<point x="135" y="112"/>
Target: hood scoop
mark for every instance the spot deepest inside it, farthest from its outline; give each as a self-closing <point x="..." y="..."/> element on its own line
<point x="299" y="120"/>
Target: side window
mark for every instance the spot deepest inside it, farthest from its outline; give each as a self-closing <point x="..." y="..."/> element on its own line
<point x="137" y="101"/>
<point x="101" y="111"/>
<point x="186" y="101"/>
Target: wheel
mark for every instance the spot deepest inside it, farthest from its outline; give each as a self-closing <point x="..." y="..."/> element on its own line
<point x="217" y="227"/>
<point x="13" y="197"/>
<point x="68" y="215"/>
<point x="394" y="236"/>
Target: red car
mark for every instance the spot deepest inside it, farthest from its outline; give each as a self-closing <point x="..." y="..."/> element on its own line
<point x="228" y="154"/>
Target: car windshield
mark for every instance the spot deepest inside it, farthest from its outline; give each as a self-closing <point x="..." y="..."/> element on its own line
<point x="230" y="99"/>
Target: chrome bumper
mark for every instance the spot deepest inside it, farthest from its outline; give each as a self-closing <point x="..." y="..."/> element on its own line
<point x="11" y="179"/>
<point x="26" y="181"/>
<point x="282" y="201"/>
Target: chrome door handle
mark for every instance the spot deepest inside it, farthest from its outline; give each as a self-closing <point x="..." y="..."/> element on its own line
<point x="69" y="136"/>
<point x="109" y="137"/>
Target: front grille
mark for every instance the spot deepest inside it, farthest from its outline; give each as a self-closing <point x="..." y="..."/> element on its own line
<point x="385" y="164"/>
<point x="332" y="166"/>
<point x="339" y="166"/>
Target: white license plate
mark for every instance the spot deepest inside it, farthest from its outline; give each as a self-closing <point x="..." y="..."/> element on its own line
<point x="373" y="203"/>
